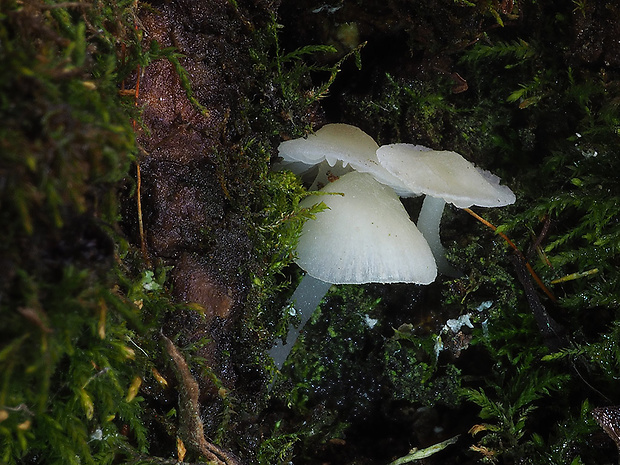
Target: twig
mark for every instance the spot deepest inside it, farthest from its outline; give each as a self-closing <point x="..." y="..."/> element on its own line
<point x="145" y="255"/>
<point x="550" y="329"/>
<point x="518" y="252"/>
<point x="191" y="428"/>
<point x="540" y="238"/>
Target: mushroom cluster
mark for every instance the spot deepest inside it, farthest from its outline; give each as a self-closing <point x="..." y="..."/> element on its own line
<point x="365" y="235"/>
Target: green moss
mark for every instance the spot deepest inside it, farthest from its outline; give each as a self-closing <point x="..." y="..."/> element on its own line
<point x="278" y="448"/>
<point x="70" y="359"/>
<point x="416" y="377"/>
<point x="80" y="317"/>
<point x="540" y="111"/>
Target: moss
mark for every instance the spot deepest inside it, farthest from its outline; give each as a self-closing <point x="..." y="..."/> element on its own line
<point x="540" y="111"/>
<point x="414" y="373"/>
<point x="81" y="357"/>
<point x="71" y="358"/>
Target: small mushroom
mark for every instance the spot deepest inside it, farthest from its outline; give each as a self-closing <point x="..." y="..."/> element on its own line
<point x="443" y="176"/>
<point x="337" y="147"/>
<point x="365" y="236"/>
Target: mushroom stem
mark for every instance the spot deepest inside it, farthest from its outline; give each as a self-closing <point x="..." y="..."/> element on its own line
<point x="428" y="223"/>
<point x="306" y="299"/>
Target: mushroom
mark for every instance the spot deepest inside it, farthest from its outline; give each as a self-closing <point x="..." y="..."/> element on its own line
<point x="337" y="147"/>
<point x="443" y="176"/>
<point x="364" y="236"/>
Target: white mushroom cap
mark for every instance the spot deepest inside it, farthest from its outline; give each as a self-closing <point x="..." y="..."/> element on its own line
<point x="345" y="143"/>
<point x="365" y="236"/>
<point x="443" y="174"/>
<point x="332" y="142"/>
